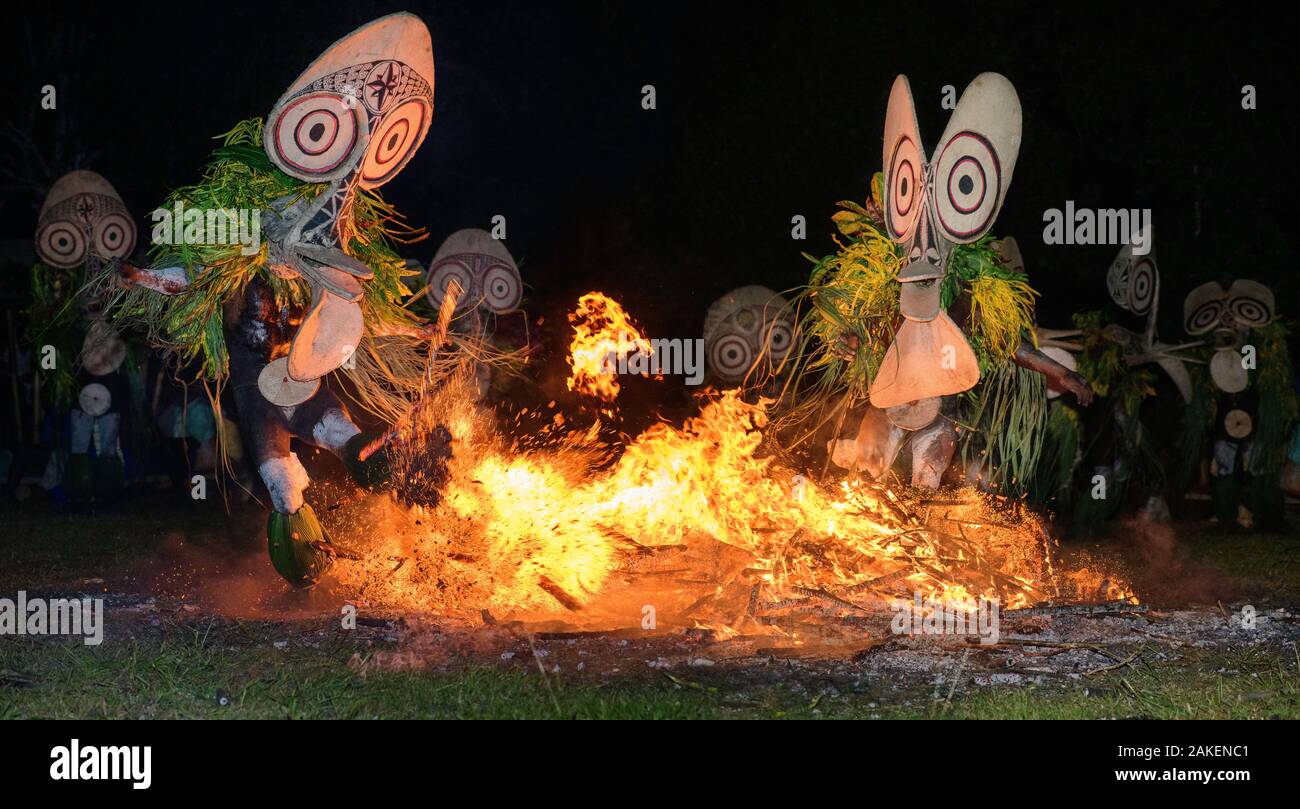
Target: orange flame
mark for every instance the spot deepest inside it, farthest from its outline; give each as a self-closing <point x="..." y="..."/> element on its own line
<point x="602" y="332"/>
<point x="560" y="521"/>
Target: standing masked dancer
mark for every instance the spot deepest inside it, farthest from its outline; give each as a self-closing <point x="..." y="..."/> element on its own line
<point x="79" y="355"/>
<point x="490" y="286"/>
<point x="883" y="312"/>
<point x="314" y="313"/>
<point x="1118" y="451"/>
<point x="1243" y="405"/>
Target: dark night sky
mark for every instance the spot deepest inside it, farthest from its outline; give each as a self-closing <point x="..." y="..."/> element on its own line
<point x="762" y="114"/>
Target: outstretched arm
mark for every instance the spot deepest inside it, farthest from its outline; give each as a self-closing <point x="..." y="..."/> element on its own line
<point x="1058" y="376"/>
<point x="165" y="280"/>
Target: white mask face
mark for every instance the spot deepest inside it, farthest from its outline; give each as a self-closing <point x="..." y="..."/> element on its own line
<point x="484" y="269"/>
<point x="1134" y="281"/>
<point x="1230" y="314"/>
<point x="361" y="110"/>
<point x="930" y="205"/>
<point x="1243" y="306"/>
<point x="83" y="216"/>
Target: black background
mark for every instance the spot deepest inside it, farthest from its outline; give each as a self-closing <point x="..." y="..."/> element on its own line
<point x="763" y="113"/>
<point x="238" y="760"/>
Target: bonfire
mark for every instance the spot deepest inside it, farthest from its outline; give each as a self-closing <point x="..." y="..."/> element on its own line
<point x="692" y="524"/>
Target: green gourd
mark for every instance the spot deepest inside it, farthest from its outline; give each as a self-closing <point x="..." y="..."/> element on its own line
<point x="300" y="551"/>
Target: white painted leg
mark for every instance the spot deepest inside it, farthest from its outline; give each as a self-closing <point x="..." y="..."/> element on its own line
<point x="286" y="480"/>
<point x="334" y="430"/>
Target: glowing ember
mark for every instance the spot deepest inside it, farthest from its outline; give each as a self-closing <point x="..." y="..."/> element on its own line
<point x="602" y="332"/>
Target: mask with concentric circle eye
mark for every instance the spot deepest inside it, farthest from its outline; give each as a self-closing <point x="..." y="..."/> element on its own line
<point x="502" y="288"/>
<point x="1203" y="308"/>
<point x="731" y="354"/>
<point x="113" y="236"/>
<point x="316" y="136"/>
<point x="1243" y="306"/>
<point x="976" y="157"/>
<point x="906" y="196"/>
<point x="83" y="216"/>
<point x="1210" y="307"/>
<point x="956" y="196"/>
<point x="929" y="206"/>
<point x="780" y="338"/>
<point x="362" y="108"/>
<point x="1133" y="281"/>
<point x="748" y="333"/>
<point x="1251" y="303"/>
<point x="442" y="274"/>
<point x="61" y="243"/>
<point x="487" y="273"/>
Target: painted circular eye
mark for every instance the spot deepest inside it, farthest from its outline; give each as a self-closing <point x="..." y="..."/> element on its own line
<point x="779" y="339"/>
<point x="731" y="355"/>
<point x="114" y="236"/>
<point x="1142" y="284"/>
<point x="61" y="243"/>
<point x="442" y="274"/>
<point x="315" y="136"/>
<point x="1249" y="311"/>
<point x="967" y="182"/>
<point x="903" y="188"/>
<point x="1204" y="317"/>
<point x="394" y="141"/>
<point x="502" y="288"/>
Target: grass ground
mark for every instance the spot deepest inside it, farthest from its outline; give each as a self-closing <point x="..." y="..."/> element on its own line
<point x="198" y="667"/>
<point x="175" y="678"/>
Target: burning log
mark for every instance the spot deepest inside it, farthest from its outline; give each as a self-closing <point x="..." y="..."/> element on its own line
<point x="834" y="599"/>
<point x="590" y="634"/>
<point x="624" y="539"/>
<point x="555" y="591"/>
<point x="1109" y="608"/>
<point x="879" y="582"/>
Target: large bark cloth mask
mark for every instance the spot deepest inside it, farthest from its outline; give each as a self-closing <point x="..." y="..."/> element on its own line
<point x="353" y="119"/>
<point x="1229" y="313"/>
<point x="929" y="206"/>
<point x="83" y="216"/>
<point x="1244" y="305"/>
<point x="1133" y="282"/>
<point x="751" y="328"/>
<point x="366" y="101"/>
<point x="487" y="273"/>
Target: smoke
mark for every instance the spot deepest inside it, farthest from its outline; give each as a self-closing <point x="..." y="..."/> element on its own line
<point x="230" y="578"/>
<point x="1166" y="573"/>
